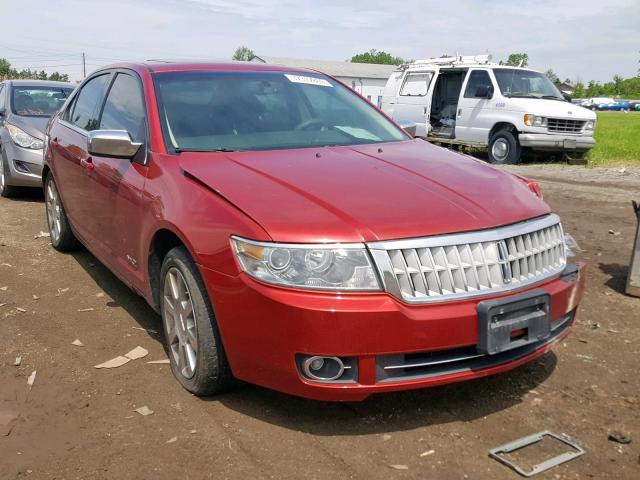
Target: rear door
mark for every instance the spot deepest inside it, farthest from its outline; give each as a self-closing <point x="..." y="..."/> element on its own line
<point x="414" y="99"/>
<point x="476" y="114"/>
<point x="116" y="184"/>
<point x="69" y="151"/>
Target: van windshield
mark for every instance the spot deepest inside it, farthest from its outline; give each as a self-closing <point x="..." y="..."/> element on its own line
<point x="525" y="84"/>
<point x="38" y="101"/>
<point x="255" y="110"/>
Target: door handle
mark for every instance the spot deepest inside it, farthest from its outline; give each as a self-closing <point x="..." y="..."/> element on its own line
<point x="87" y="163"/>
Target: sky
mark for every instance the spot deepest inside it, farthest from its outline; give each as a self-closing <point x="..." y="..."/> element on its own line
<point x="579" y="39"/>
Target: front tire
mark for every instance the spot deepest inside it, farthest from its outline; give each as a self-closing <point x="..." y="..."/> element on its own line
<point x="504" y="148"/>
<point x="62" y="237"/>
<point x="192" y="338"/>
<point x="6" y="191"/>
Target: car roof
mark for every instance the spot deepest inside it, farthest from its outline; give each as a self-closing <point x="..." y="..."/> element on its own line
<point x="40" y="83"/>
<point x="180" y="65"/>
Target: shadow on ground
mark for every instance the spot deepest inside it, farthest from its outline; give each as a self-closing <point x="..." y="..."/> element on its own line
<point x="618" y="274"/>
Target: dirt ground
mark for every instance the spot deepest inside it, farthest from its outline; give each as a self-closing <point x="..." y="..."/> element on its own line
<point x="79" y="422"/>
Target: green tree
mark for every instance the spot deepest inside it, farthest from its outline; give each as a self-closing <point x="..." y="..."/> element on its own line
<point x="551" y="75"/>
<point x="578" y="90"/>
<point x="517" y="60"/>
<point x="378" y="57"/>
<point x="244" y="54"/>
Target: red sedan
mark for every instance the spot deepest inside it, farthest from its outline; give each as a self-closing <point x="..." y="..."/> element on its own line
<point x="292" y="236"/>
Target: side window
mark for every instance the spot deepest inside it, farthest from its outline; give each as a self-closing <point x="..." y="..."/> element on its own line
<point x="477" y="79"/>
<point x="1" y="97"/>
<point x="416" y="84"/>
<point x="124" y="108"/>
<point x="86" y="106"/>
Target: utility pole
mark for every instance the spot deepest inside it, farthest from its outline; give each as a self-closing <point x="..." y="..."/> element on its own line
<point x="84" y="67"/>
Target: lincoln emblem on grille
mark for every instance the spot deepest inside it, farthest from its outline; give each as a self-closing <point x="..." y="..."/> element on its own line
<point x="503" y="255"/>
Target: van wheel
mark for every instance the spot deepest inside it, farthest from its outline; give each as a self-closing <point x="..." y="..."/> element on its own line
<point x="192" y="338"/>
<point x="504" y="148"/>
<point x="62" y="237"/>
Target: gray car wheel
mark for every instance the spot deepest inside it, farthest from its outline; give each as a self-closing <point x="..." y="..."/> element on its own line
<point x="192" y="338"/>
<point x="62" y="237"/>
<point x="5" y="189"/>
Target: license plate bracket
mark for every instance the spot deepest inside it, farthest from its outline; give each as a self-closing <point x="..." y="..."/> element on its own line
<point x="512" y="322"/>
<point x="570" y="143"/>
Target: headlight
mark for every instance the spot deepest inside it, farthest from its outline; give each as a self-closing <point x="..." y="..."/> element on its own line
<point x="322" y="267"/>
<point x="534" y="120"/>
<point x="590" y="125"/>
<point x="23" y="139"/>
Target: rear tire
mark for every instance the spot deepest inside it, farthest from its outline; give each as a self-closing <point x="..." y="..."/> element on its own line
<point x="62" y="237"/>
<point x="192" y="337"/>
<point x="6" y="191"/>
<point x="504" y="148"/>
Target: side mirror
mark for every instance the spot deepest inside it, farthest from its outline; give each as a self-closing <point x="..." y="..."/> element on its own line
<point x="484" y="91"/>
<point x="408" y="126"/>
<point x="112" y="143"/>
<point x="567" y="97"/>
<point x="3" y="112"/>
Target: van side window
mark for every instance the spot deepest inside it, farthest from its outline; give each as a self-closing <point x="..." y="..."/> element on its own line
<point x="416" y="84"/>
<point x="124" y="108"/>
<point x="1" y="88"/>
<point x="86" y="107"/>
<point x="477" y="79"/>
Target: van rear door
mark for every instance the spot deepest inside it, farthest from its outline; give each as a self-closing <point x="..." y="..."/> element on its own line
<point x="413" y="99"/>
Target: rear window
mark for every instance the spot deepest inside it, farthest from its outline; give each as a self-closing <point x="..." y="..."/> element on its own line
<point x="38" y="101"/>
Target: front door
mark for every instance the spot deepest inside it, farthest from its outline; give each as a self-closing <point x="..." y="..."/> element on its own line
<point x="474" y="118"/>
<point x="414" y="100"/>
<point x="116" y="184"/>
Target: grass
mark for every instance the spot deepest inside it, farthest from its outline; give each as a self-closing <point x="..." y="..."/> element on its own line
<point x="617" y="140"/>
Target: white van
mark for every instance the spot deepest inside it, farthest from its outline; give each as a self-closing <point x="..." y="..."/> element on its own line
<point x="470" y="101"/>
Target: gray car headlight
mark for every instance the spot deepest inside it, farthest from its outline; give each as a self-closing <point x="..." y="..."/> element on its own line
<point x="23" y="139"/>
<point x="322" y="267"/>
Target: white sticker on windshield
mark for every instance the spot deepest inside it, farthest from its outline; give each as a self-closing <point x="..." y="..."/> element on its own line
<point x="321" y="82"/>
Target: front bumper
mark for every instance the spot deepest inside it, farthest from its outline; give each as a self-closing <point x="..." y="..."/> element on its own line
<point x="264" y="328"/>
<point x="547" y="141"/>
<point x="24" y="166"/>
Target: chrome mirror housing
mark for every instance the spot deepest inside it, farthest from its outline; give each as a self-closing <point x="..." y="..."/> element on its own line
<point x="408" y="126"/>
<point x="112" y="143"/>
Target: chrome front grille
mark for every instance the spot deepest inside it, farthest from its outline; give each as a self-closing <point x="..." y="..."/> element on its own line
<point x="468" y="264"/>
<point x="564" y="125"/>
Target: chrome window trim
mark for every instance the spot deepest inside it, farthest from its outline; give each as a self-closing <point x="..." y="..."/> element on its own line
<point x="382" y="260"/>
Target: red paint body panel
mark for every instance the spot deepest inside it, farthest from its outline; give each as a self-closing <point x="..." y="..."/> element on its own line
<point x="349" y="194"/>
<point x="264" y="327"/>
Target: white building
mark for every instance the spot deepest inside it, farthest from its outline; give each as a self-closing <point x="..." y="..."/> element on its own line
<point x="367" y="79"/>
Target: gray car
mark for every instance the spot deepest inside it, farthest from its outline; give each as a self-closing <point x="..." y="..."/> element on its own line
<point x="25" y="109"/>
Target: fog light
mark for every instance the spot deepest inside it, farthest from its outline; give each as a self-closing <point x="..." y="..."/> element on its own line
<point x="323" y="369"/>
<point x="21" y="166"/>
<point x="316" y="364"/>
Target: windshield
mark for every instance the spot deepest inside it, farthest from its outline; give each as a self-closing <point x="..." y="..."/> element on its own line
<point x="525" y="83"/>
<point x="38" y="101"/>
<point x="213" y="111"/>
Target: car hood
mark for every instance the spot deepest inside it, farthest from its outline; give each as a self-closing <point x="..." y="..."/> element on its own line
<point x="550" y="108"/>
<point x="34" y="126"/>
<point x="364" y="193"/>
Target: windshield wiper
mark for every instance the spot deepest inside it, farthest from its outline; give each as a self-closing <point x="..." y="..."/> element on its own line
<point x="520" y="95"/>
<point x="180" y="150"/>
<point x="552" y="97"/>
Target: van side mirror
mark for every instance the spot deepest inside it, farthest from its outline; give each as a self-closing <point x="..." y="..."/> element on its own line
<point x="112" y="143"/>
<point x="567" y="97"/>
<point x="3" y="112"/>
<point x="408" y="126"/>
<point x="484" y="91"/>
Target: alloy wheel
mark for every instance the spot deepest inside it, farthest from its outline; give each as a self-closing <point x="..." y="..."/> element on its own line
<point x="180" y="323"/>
<point x="54" y="214"/>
